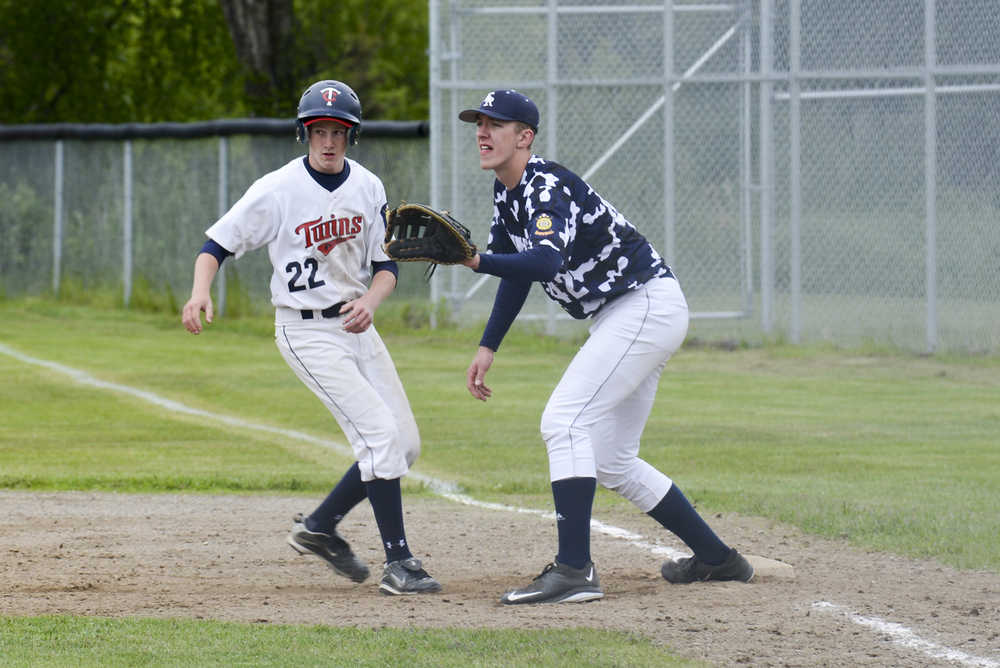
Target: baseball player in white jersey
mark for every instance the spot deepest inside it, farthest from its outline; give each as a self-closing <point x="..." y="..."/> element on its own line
<point x="552" y="227"/>
<point x="322" y="218"/>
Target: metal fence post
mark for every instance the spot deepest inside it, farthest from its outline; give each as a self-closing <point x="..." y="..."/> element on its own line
<point x="669" y="185"/>
<point x="223" y="207"/>
<point x="436" y="57"/>
<point x="746" y="158"/>
<point x="930" y="169"/>
<point x="552" y="120"/>
<point x="766" y="170"/>
<point x="57" y="218"/>
<point x="795" y="175"/>
<point x="127" y="221"/>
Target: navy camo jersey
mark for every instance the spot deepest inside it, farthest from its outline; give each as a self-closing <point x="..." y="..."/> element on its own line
<point x="604" y="255"/>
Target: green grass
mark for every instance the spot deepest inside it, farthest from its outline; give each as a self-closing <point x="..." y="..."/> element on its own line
<point x="891" y="451"/>
<point x="85" y="642"/>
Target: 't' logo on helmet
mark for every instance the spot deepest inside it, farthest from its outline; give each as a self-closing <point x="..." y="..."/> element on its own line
<point x="330" y="95"/>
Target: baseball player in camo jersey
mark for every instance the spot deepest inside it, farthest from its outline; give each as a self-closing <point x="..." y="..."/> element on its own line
<point x="322" y="218"/>
<point x="550" y="226"/>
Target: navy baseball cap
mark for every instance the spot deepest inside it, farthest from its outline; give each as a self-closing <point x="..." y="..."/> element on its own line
<point x="505" y="104"/>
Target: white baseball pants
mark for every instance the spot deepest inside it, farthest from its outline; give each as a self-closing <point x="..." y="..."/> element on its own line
<point x="595" y="417"/>
<point x="355" y="378"/>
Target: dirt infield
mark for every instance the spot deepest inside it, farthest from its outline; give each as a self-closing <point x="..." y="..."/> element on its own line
<point x="225" y="557"/>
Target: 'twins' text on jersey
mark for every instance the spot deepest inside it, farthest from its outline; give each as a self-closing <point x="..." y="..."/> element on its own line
<point x="327" y="234"/>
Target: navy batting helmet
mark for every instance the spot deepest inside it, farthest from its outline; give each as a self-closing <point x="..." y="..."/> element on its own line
<point x="329" y="100"/>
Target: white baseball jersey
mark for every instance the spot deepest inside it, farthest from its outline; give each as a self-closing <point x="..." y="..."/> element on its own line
<point x="321" y="243"/>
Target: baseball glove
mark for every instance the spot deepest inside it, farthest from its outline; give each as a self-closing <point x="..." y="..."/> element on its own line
<point x="418" y="233"/>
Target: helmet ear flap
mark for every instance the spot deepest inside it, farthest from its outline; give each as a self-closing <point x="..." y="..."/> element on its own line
<point x="302" y="134"/>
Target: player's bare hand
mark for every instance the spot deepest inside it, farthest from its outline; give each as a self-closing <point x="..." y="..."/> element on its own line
<point x="191" y="313"/>
<point x="357" y="315"/>
<point x="476" y="375"/>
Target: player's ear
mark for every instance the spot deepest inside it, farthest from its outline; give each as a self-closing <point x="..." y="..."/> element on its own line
<point x="526" y="138"/>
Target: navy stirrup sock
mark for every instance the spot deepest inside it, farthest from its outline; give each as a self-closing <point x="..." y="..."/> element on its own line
<point x="387" y="504"/>
<point x="349" y="492"/>
<point x="677" y="514"/>
<point x="574" y="502"/>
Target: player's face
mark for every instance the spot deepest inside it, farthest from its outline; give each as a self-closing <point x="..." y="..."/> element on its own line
<point x="499" y="142"/>
<point x="327" y="146"/>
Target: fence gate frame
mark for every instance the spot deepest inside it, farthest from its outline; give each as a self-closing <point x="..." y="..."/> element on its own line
<point x="445" y="77"/>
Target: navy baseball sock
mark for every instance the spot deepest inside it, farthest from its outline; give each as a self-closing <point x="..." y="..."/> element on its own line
<point x="574" y="502"/>
<point x="387" y="504"/>
<point x="677" y="514"/>
<point x="349" y="492"/>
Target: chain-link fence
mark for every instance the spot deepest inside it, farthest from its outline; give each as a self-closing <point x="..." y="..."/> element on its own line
<point x="122" y="207"/>
<point x="815" y="171"/>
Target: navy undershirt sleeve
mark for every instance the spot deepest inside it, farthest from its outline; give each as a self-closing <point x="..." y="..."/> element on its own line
<point x="388" y="265"/>
<point x="509" y="300"/>
<point x="214" y="249"/>
<point x="517" y="271"/>
<point x="540" y="263"/>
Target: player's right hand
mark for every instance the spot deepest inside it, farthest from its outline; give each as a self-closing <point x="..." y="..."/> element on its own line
<point x="476" y="375"/>
<point x="191" y="314"/>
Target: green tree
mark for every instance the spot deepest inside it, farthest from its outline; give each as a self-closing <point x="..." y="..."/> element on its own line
<point x="116" y="61"/>
<point x="378" y="48"/>
<point x="111" y="62"/>
<point x="264" y="34"/>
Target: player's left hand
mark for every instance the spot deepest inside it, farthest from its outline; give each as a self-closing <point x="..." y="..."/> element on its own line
<point x="191" y="313"/>
<point x="472" y="263"/>
<point x="357" y="315"/>
<point x="476" y="375"/>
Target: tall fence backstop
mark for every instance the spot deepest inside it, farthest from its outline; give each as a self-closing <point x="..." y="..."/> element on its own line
<point x="812" y="169"/>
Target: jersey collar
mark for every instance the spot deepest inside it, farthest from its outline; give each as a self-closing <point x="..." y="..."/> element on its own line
<point x="328" y="181"/>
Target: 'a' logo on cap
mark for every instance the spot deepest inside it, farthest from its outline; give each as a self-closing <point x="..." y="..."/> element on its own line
<point x="330" y="95"/>
<point x="488" y="100"/>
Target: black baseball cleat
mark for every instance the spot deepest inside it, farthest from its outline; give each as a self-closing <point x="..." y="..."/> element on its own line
<point x="407" y="576"/>
<point x="559" y="583"/>
<point x="690" y="569"/>
<point x="330" y="547"/>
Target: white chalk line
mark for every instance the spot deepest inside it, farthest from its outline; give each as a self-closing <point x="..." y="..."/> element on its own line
<point x="442" y="488"/>
<point x="899" y="634"/>
<point x="903" y="636"/>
